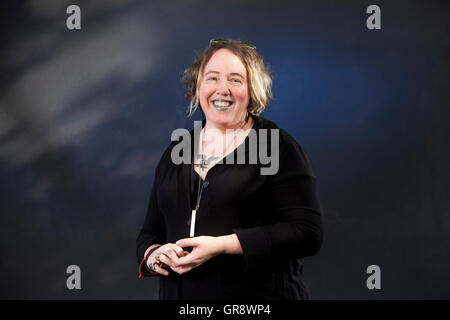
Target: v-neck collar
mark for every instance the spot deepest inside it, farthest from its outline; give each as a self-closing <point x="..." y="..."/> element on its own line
<point x="257" y="124"/>
<point x="187" y="168"/>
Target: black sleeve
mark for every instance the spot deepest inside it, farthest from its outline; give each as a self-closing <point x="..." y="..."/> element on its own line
<point x="153" y="229"/>
<point x="297" y="231"/>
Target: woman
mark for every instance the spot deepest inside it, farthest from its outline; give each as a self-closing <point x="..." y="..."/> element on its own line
<point x="218" y="229"/>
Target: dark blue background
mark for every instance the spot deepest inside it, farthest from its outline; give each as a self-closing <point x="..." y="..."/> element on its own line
<point x="85" y="116"/>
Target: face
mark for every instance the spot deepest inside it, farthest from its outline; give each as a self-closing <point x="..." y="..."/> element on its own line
<point x="224" y="94"/>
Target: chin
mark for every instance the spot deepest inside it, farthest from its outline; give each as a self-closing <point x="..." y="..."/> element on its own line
<point x="222" y="120"/>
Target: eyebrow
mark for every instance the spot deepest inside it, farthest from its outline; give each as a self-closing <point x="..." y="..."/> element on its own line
<point x="237" y="74"/>
<point x="231" y="74"/>
<point x="211" y="72"/>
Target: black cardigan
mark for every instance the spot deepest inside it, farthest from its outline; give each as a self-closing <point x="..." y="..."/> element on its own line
<point x="276" y="218"/>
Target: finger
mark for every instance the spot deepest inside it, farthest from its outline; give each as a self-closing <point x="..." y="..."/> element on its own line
<point x="178" y="250"/>
<point x="158" y="255"/>
<point x="173" y="256"/>
<point x="168" y="261"/>
<point x="160" y="270"/>
<point x="187" y="242"/>
<point x="186" y="260"/>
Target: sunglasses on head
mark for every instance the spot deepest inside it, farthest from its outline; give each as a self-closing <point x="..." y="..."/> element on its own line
<point x="245" y="44"/>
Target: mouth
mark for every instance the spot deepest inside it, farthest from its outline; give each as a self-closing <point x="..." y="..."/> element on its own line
<point x="222" y="104"/>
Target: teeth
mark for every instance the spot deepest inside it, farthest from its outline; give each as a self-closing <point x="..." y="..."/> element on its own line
<point x="222" y="103"/>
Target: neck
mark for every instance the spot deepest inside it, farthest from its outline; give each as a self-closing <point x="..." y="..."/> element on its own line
<point x="241" y="124"/>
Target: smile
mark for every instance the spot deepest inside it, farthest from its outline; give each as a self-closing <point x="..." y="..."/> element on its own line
<point x="222" y="104"/>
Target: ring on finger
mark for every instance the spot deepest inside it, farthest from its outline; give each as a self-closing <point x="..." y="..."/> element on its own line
<point x="160" y="263"/>
<point x="151" y="266"/>
<point x="157" y="255"/>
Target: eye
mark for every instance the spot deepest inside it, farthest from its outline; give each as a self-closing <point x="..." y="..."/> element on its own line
<point x="236" y="80"/>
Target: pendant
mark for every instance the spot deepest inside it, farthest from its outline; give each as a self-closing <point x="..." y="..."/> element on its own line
<point x="193" y="216"/>
<point x="204" y="162"/>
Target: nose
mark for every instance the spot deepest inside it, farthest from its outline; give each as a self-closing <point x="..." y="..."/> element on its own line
<point x="222" y="88"/>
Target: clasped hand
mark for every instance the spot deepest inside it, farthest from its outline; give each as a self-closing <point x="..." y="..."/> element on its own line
<point x="180" y="261"/>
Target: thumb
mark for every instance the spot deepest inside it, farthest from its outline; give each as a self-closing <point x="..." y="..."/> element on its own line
<point x="187" y="242"/>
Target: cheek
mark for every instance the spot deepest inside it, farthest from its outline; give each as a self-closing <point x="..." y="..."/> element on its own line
<point x="205" y="91"/>
<point x="242" y="94"/>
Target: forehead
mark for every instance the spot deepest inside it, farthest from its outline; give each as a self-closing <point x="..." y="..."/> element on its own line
<point x="225" y="61"/>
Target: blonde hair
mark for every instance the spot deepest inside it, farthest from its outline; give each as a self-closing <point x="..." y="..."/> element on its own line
<point x="259" y="78"/>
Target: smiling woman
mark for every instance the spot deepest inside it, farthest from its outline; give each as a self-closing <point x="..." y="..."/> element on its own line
<point x="218" y="230"/>
<point x="255" y="75"/>
<point x="223" y="90"/>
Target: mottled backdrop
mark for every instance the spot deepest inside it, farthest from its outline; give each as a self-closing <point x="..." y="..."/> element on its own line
<point x="85" y="115"/>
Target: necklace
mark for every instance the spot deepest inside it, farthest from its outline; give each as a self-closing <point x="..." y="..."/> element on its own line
<point x="206" y="161"/>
